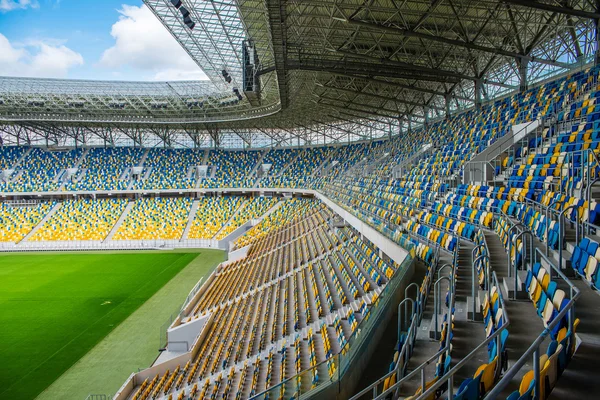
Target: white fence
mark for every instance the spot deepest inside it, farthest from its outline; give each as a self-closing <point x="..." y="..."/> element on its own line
<point x="110" y="245"/>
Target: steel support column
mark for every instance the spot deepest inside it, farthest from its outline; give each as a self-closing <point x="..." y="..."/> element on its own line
<point x="523" y="64"/>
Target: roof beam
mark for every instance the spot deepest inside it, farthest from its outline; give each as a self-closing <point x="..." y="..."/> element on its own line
<point x="551" y="8"/>
<point x="347" y="107"/>
<point x="276" y="10"/>
<point x="398" y="85"/>
<point x="376" y="96"/>
<point x="369" y="69"/>
<point x="453" y="42"/>
<point x="411" y="67"/>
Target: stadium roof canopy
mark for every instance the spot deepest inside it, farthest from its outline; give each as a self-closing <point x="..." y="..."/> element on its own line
<point x="329" y="71"/>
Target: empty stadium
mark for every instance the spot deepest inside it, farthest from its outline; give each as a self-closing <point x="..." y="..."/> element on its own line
<point x="363" y="200"/>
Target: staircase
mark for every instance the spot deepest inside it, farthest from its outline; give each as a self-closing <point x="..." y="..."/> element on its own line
<point x="289" y="164"/>
<point x="237" y="210"/>
<point x="405" y="164"/>
<point x="258" y="163"/>
<point x="317" y="171"/>
<point x="42" y="222"/>
<point x="119" y="222"/>
<point x="468" y="334"/>
<point x="83" y="157"/>
<point x="525" y="325"/>
<point x="143" y="159"/>
<point x="578" y="381"/>
<point x="20" y="160"/>
<point x="481" y="168"/>
<point x="191" y="216"/>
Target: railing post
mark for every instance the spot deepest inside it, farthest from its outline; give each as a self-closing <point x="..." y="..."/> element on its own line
<point x="474" y="283"/>
<point x="548" y="224"/>
<point x="561" y="232"/>
<point x="437" y="301"/>
<point x="536" y="372"/>
<point x="417" y="294"/>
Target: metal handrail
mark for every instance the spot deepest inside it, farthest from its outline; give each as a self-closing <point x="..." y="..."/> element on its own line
<point x="437" y="301"/>
<point x="411" y="334"/>
<point x="417" y="293"/>
<point x="474" y="285"/>
<point x="443" y="267"/>
<point x="449" y="376"/>
<point x="509" y="232"/>
<point x="421" y="369"/>
<point x="524" y="257"/>
<point x="561" y="232"/>
<point x="534" y="348"/>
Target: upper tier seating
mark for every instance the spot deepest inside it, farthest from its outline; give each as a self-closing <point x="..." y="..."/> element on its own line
<point x="10" y="155"/>
<point x="42" y="170"/>
<point x="169" y="169"/>
<point x="232" y="168"/>
<point x="105" y="168"/>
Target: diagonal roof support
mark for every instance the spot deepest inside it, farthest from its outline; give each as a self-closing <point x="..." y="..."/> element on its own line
<point x="457" y="43"/>
<point x="408" y="66"/>
<point x="552" y="8"/>
<point x="401" y="85"/>
<point x="376" y="96"/>
<point x="369" y="69"/>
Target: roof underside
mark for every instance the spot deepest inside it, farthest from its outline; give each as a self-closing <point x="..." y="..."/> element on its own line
<point x="330" y="71"/>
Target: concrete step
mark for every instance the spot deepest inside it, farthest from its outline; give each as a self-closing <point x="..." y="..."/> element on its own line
<point x="478" y="306"/>
<point x="432" y="334"/>
<point x="508" y="287"/>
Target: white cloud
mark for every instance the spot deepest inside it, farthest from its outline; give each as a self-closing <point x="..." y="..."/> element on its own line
<point x="9" y="5"/>
<point x="143" y="44"/>
<point x="38" y="58"/>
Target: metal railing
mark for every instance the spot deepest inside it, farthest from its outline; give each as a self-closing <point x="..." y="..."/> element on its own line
<point x="474" y="261"/>
<point x="448" y="378"/>
<point x="534" y="349"/>
<point x="399" y="369"/>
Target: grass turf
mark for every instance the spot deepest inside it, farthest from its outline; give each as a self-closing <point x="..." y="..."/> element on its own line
<point x="54" y="308"/>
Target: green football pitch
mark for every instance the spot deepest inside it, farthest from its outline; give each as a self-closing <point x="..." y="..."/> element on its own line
<point x="55" y="307"/>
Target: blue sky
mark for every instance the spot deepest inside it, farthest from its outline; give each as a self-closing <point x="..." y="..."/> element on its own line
<point x="89" y="39"/>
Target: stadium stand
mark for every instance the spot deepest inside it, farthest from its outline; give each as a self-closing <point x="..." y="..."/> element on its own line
<point x="232" y="169"/>
<point x="250" y="209"/>
<point x="106" y="168"/>
<point x="296" y="299"/>
<point x="19" y="220"/>
<point x="289" y="308"/>
<point x="42" y="170"/>
<point x="83" y="219"/>
<point x="155" y="218"/>
<point x="169" y="169"/>
<point x="212" y="215"/>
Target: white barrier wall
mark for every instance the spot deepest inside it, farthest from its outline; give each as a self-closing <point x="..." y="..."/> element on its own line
<point x="391" y="249"/>
<point x="180" y="338"/>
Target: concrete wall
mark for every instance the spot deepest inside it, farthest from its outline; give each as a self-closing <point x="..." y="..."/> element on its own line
<point x="178" y="336"/>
